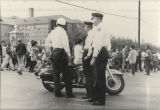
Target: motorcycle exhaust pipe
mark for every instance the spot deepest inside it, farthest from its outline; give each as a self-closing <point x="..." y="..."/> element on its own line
<point x="51" y="82"/>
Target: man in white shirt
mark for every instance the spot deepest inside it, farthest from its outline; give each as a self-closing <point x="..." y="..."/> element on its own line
<point x="132" y="57"/>
<point x="58" y="40"/>
<point x="100" y="46"/>
<point x="87" y="69"/>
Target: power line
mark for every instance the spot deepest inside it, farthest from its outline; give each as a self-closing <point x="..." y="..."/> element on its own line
<point x="134" y="18"/>
<point x="95" y="10"/>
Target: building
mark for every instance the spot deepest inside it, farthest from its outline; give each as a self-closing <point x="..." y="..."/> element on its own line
<point x="5" y="29"/>
<point x="38" y="28"/>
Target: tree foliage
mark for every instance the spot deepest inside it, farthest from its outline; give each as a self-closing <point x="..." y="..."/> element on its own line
<point x="119" y="43"/>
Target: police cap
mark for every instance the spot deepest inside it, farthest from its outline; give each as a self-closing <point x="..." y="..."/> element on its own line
<point x="97" y="15"/>
<point x="88" y="23"/>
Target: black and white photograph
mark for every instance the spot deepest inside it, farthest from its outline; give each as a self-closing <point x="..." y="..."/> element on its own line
<point x="80" y="54"/>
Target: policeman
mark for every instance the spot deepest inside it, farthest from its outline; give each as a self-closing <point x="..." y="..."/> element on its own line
<point x="87" y="69"/>
<point x="58" y="40"/>
<point x="100" y="46"/>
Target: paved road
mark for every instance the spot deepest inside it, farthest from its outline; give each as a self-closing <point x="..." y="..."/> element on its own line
<point x="26" y="92"/>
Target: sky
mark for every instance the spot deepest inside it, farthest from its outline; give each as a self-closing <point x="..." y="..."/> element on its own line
<point x="117" y="26"/>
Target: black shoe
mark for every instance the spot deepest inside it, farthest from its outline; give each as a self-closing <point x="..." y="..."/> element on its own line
<point x="85" y="97"/>
<point x="147" y="74"/>
<point x="31" y="71"/>
<point x="97" y="103"/>
<point x="14" y="69"/>
<point x="59" y="95"/>
<point x="36" y="73"/>
<point x="19" y="72"/>
<point x="91" y="100"/>
<point x="71" y="96"/>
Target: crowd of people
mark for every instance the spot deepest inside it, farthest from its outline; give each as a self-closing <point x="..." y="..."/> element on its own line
<point x="20" y="56"/>
<point x="130" y="58"/>
<point x="93" y="54"/>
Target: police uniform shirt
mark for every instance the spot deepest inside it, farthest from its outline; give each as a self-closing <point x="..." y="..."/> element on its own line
<point x="89" y="39"/>
<point x="101" y="39"/>
<point x="58" y="38"/>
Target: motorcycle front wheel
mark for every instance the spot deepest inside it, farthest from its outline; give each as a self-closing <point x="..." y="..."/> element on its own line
<point x="115" y="87"/>
<point x="48" y="86"/>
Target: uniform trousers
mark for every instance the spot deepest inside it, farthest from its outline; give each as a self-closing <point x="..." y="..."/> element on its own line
<point x="88" y="74"/>
<point x="99" y="78"/>
<point x="60" y="65"/>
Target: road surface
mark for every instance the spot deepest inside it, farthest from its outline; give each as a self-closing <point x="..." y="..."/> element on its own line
<point x="26" y="92"/>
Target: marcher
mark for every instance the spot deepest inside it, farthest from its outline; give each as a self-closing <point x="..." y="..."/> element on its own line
<point x="158" y="53"/>
<point x="33" y="55"/>
<point x="4" y="46"/>
<point x="143" y="57"/>
<point x="119" y="59"/>
<point x="14" y="58"/>
<point x="58" y="40"/>
<point x="1" y="56"/>
<point x="20" y="51"/>
<point x="7" y="58"/>
<point x="148" y="60"/>
<point x="28" y="58"/>
<point x="132" y="58"/>
<point x="100" y="46"/>
<point x="125" y="53"/>
<point x="138" y="61"/>
<point x="43" y="61"/>
<point x="87" y="69"/>
<point x="114" y="58"/>
<point x="155" y="62"/>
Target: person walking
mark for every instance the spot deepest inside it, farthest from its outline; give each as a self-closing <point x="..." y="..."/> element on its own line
<point x="58" y="40"/>
<point x="20" y="51"/>
<point x="148" y="60"/>
<point x="114" y="58"/>
<point x="119" y="59"/>
<point x="1" y="56"/>
<point x="143" y="57"/>
<point x="33" y="55"/>
<point x="138" y="61"/>
<point x="155" y="62"/>
<point x="7" y="58"/>
<point x="28" y="58"/>
<point x="132" y="58"/>
<point x="125" y="53"/>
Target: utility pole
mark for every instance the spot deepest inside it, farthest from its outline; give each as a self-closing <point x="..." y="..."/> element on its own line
<point x="139" y="22"/>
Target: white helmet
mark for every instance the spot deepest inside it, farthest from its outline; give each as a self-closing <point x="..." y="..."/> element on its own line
<point x="61" y="21"/>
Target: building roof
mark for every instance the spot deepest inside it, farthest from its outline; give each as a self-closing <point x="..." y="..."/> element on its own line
<point x="35" y="20"/>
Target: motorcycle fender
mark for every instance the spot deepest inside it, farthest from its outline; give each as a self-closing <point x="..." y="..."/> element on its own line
<point x="46" y="74"/>
<point x="116" y="72"/>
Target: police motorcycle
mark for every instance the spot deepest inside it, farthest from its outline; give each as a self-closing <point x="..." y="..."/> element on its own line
<point x="114" y="79"/>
